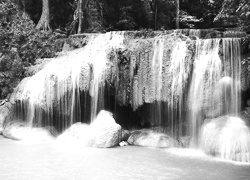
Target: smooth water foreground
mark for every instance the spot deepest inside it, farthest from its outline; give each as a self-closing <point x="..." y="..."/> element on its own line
<point x="23" y="160"/>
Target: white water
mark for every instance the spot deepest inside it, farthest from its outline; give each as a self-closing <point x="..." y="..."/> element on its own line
<point x="215" y="84"/>
<point x="59" y="82"/>
<point x="98" y="49"/>
<point x="179" y="69"/>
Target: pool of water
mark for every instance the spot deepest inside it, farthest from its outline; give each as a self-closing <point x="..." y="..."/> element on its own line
<point x="49" y="160"/>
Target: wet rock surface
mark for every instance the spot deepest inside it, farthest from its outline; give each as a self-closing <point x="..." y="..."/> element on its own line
<point x="150" y="138"/>
<point x="107" y="131"/>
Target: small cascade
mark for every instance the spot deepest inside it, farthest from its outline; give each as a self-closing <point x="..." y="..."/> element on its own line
<point x="232" y="68"/>
<point x="168" y="75"/>
<point x="156" y="68"/>
<point x="195" y="32"/>
<point x="179" y="70"/>
<point x="215" y="83"/>
<point x="101" y="44"/>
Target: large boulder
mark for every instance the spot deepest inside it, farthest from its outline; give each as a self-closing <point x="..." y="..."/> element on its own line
<point x="226" y="137"/>
<point x="152" y="139"/>
<point x="107" y="131"/>
<point x="78" y="133"/>
<point x="104" y="132"/>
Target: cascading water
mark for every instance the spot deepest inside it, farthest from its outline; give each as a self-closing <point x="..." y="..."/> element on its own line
<point x="164" y="83"/>
<point x="180" y="70"/>
<point x="157" y="79"/>
<point x="56" y="89"/>
<point x="215" y="83"/>
<point x="101" y="44"/>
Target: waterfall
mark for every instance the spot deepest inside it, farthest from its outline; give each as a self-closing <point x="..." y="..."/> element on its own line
<point x="215" y="83"/>
<point x="179" y="70"/>
<point x="164" y="75"/>
<point x="56" y="89"/>
<point x="168" y="75"/>
<point x="98" y="52"/>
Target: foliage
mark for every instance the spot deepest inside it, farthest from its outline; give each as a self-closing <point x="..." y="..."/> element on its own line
<point x="188" y="20"/>
<point x="20" y="45"/>
<point x="138" y="14"/>
<point x="243" y="12"/>
<point x="205" y="10"/>
<point x="235" y="12"/>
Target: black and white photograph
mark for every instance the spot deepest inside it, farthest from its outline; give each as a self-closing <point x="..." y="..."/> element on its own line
<point x="124" y="89"/>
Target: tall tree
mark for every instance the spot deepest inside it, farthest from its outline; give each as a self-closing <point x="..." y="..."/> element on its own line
<point x="80" y="16"/>
<point x="44" y="22"/>
<point x="177" y="14"/>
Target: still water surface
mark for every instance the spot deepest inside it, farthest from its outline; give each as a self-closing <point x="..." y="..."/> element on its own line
<point x="22" y="160"/>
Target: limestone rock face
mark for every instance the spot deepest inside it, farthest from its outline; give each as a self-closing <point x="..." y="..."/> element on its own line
<point x="152" y="139"/>
<point x="226" y="137"/>
<point x="147" y="70"/>
<point x="104" y="132"/>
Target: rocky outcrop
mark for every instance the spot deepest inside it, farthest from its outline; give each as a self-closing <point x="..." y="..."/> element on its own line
<point x="226" y="137"/>
<point x="152" y="139"/>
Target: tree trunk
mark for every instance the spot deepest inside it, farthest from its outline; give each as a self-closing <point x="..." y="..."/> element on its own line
<point x="80" y="16"/>
<point x="177" y="14"/>
<point x="156" y="11"/>
<point x="44" y="20"/>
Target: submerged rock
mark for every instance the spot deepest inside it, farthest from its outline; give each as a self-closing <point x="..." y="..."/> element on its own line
<point x="226" y="137"/>
<point x="152" y="139"/>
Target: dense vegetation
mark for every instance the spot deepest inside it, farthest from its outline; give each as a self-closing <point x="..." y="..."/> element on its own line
<point x="29" y="29"/>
